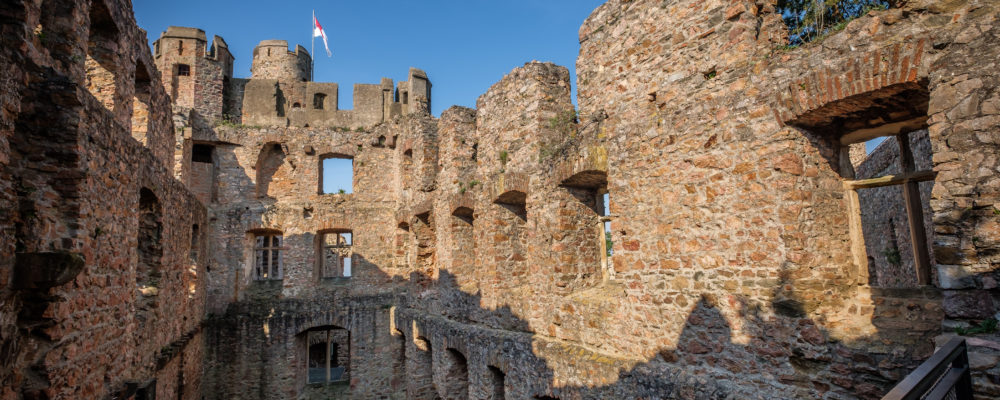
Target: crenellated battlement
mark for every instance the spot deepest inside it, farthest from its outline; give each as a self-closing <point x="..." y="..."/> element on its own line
<point x="294" y="102"/>
<point x="280" y="90"/>
<point x="193" y="71"/>
<point x="179" y="41"/>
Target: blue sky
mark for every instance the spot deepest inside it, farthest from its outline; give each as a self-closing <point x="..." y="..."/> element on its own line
<point x="464" y="45"/>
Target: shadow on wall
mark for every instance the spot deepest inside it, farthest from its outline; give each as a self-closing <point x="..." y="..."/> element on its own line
<point x="786" y="353"/>
<point x="715" y="356"/>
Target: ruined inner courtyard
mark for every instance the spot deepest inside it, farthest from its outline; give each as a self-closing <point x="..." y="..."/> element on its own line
<point x="703" y="222"/>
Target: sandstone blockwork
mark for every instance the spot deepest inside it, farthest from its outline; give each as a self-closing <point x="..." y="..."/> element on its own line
<point x="706" y="224"/>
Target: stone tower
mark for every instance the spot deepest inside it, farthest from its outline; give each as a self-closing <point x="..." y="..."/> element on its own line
<point x="194" y="74"/>
<point x="272" y="60"/>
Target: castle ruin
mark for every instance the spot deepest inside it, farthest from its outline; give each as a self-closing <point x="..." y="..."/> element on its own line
<point x="706" y="224"/>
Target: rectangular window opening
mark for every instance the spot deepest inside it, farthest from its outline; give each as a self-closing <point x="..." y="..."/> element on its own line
<point x="336" y="254"/>
<point x="183" y="70"/>
<point x="892" y="198"/>
<point x="336" y="175"/>
<point x="267" y="257"/>
<point x="328" y="352"/>
<point x="202" y="153"/>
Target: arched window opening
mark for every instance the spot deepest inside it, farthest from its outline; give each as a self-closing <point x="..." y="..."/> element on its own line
<point x="203" y="176"/>
<point x="591" y="189"/>
<point x="296" y="105"/>
<point x="402" y="246"/>
<point x="195" y="243"/>
<point x="455" y="384"/>
<point x="420" y="373"/>
<point x="102" y="55"/>
<point x="887" y="193"/>
<point x="140" y="104"/>
<point x="399" y="365"/>
<point x="272" y="171"/>
<point x="496" y="382"/>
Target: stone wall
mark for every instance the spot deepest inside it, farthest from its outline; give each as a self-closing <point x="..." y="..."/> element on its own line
<point x="739" y="267"/>
<point x="729" y="276"/>
<point x="73" y="168"/>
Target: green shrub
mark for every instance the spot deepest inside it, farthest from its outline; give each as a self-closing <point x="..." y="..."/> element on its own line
<point x="988" y="325"/>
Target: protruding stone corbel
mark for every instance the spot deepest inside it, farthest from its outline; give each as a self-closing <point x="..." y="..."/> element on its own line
<point x="44" y="270"/>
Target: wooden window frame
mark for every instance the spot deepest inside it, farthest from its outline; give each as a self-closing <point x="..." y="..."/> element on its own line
<point x="340" y="244"/>
<point x="264" y="245"/>
<point x="909" y="178"/>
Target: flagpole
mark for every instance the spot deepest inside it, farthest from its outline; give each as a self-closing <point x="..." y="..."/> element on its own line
<point x="312" y="47"/>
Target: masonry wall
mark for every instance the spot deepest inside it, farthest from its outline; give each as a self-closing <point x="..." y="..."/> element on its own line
<point x="479" y="269"/>
<point x="717" y="260"/>
<point x="730" y="276"/>
<point x="70" y="290"/>
<point x="256" y="192"/>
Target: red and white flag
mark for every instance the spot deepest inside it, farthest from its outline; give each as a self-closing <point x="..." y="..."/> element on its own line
<point x="319" y="32"/>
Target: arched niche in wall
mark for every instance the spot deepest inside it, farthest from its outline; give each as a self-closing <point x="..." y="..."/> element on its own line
<point x="273" y="173"/>
<point x="148" y="270"/>
<point x="102" y="63"/>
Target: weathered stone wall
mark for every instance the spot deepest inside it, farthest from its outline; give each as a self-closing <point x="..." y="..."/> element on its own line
<point x="256" y="349"/>
<point x="738" y="269"/>
<point x="73" y="172"/>
<point x="200" y="93"/>
<point x="730" y="276"/>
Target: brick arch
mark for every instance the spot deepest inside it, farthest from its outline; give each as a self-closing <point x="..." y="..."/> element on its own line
<point x="853" y="75"/>
<point x="327" y="320"/>
<point x="423" y="209"/>
<point x="462" y="204"/>
<point x="510" y="188"/>
<point x="589" y="179"/>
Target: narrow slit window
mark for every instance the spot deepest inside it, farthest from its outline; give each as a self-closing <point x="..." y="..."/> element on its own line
<point x="605" y="209"/>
